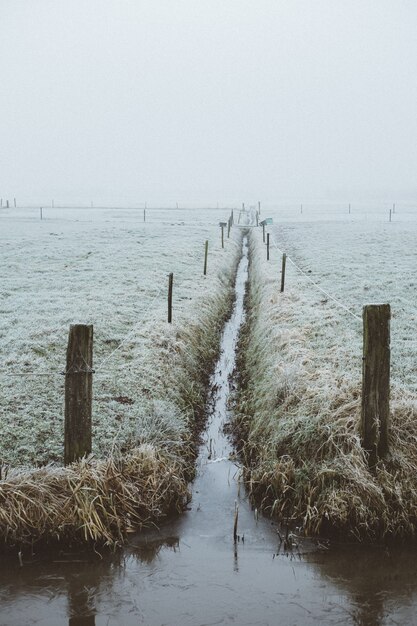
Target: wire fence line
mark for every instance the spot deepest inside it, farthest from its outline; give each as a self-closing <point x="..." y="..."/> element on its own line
<point x="323" y="291"/>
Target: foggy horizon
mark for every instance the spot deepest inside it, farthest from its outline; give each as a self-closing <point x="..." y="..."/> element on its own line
<point x="210" y="102"/>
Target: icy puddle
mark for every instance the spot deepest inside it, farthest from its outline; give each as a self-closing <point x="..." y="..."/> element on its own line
<point x="192" y="573"/>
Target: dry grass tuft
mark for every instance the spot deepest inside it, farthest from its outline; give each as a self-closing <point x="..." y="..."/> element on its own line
<point x="91" y="501"/>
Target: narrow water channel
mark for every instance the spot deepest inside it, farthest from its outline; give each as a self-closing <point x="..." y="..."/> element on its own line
<point x="191" y="572"/>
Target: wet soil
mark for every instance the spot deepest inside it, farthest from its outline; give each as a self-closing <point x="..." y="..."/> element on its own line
<point x="191" y="572"/>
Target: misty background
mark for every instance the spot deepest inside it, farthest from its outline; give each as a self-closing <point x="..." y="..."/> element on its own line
<point x="205" y="101"/>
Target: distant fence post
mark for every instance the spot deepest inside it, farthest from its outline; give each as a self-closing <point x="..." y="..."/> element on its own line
<point x="393" y="208"/>
<point x="144" y="215"/>
<point x="7" y="204"/>
<point x="232" y="216"/>
<point x="205" y="258"/>
<point x="267" y="247"/>
<point x="375" y="380"/>
<point x="222" y="227"/>
<point x="301" y="209"/>
<point x="284" y="263"/>
<point x="229" y="224"/>
<point x="257" y="218"/>
<point x="78" y="393"/>
<point x="170" y="284"/>
<point x="41" y="213"/>
<point x="390" y="215"/>
<point x="14" y="200"/>
<point x="263" y="232"/>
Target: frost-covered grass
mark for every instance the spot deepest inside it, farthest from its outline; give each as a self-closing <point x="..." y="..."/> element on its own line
<point x="108" y="268"/>
<point x="301" y="360"/>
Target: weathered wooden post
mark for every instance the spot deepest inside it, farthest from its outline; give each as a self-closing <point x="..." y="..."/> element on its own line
<point x="229" y="225"/>
<point x="78" y="393"/>
<point x="7" y="204"/>
<point x="257" y="218"/>
<point x="41" y="212"/>
<point x="263" y="232"/>
<point x="144" y="215"/>
<point x="222" y="227"/>
<point x="14" y="200"/>
<point x="233" y="219"/>
<point x="393" y="208"/>
<point x="259" y="207"/>
<point x="267" y="247"/>
<point x="301" y="209"/>
<point x="390" y="215"/>
<point x="205" y="258"/>
<point x="243" y="206"/>
<point x="170" y="284"/>
<point x="375" y="380"/>
<point x="284" y="263"/>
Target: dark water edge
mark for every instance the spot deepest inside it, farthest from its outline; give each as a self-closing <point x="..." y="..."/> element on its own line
<point x="191" y="572"/>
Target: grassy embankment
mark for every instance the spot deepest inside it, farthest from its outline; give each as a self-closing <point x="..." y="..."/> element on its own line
<point x="152" y="399"/>
<point x="299" y="411"/>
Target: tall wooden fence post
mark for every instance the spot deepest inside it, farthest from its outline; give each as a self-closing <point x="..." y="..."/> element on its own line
<point x="263" y="232"/>
<point x="170" y="284"/>
<point x="229" y="225"/>
<point x="205" y="258"/>
<point x="267" y="247"/>
<point x="78" y="393"/>
<point x="257" y="218"/>
<point x="284" y="263"/>
<point x="222" y="227"/>
<point x="375" y="380"/>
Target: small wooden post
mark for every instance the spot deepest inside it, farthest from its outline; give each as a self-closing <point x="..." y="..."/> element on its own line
<point x="390" y="215"/>
<point x="78" y="393"/>
<point x="259" y="207"/>
<point x="263" y="232"/>
<point x="14" y="200"/>
<point x="205" y="258"/>
<point x="233" y="219"/>
<point x="144" y="215"/>
<point x="222" y="227"/>
<point x="7" y="204"/>
<point x="284" y="262"/>
<point x="41" y="212"/>
<point x="170" y="284"/>
<point x="375" y="380"/>
<point x="229" y="225"/>
<point x="301" y="209"/>
<point x="257" y="218"/>
<point x="267" y="247"/>
<point x="243" y="206"/>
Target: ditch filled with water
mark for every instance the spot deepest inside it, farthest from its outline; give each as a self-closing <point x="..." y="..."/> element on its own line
<point x="194" y="572"/>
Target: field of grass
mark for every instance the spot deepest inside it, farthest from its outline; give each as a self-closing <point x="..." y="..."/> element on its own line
<point x="301" y="368"/>
<point x="110" y="269"/>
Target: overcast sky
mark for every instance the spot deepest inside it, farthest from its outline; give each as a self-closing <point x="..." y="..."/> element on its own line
<point x="208" y="100"/>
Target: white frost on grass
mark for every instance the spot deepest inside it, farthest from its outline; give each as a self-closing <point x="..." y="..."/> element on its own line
<point x="107" y="268"/>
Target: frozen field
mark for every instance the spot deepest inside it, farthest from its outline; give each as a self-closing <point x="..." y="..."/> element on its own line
<point x="302" y="372"/>
<point x="108" y="268"/>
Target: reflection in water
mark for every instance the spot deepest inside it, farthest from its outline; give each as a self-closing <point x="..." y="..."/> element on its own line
<point x="190" y="572"/>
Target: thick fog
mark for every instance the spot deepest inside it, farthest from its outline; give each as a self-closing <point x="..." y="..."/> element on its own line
<point x="208" y="101"/>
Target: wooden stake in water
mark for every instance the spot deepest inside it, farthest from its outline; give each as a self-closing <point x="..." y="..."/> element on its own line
<point x="284" y="263"/>
<point x="78" y="393"/>
<point x="263" y="232"/>
<point x="375" y="380"/>
<point x="205" y="258"/>
<point x="235" y="522"/>
<point x="41" y="212"/>
<point x="170" y="285"/>
<point x="267" y="247"/>
<point x="222" y="227"/>
<point x="144" y="215"/>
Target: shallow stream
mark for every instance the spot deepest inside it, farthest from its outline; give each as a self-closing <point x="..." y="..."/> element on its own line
<point x="191" y="572"/>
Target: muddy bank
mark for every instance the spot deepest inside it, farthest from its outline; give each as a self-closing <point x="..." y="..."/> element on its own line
<point x="298" y="417"/>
